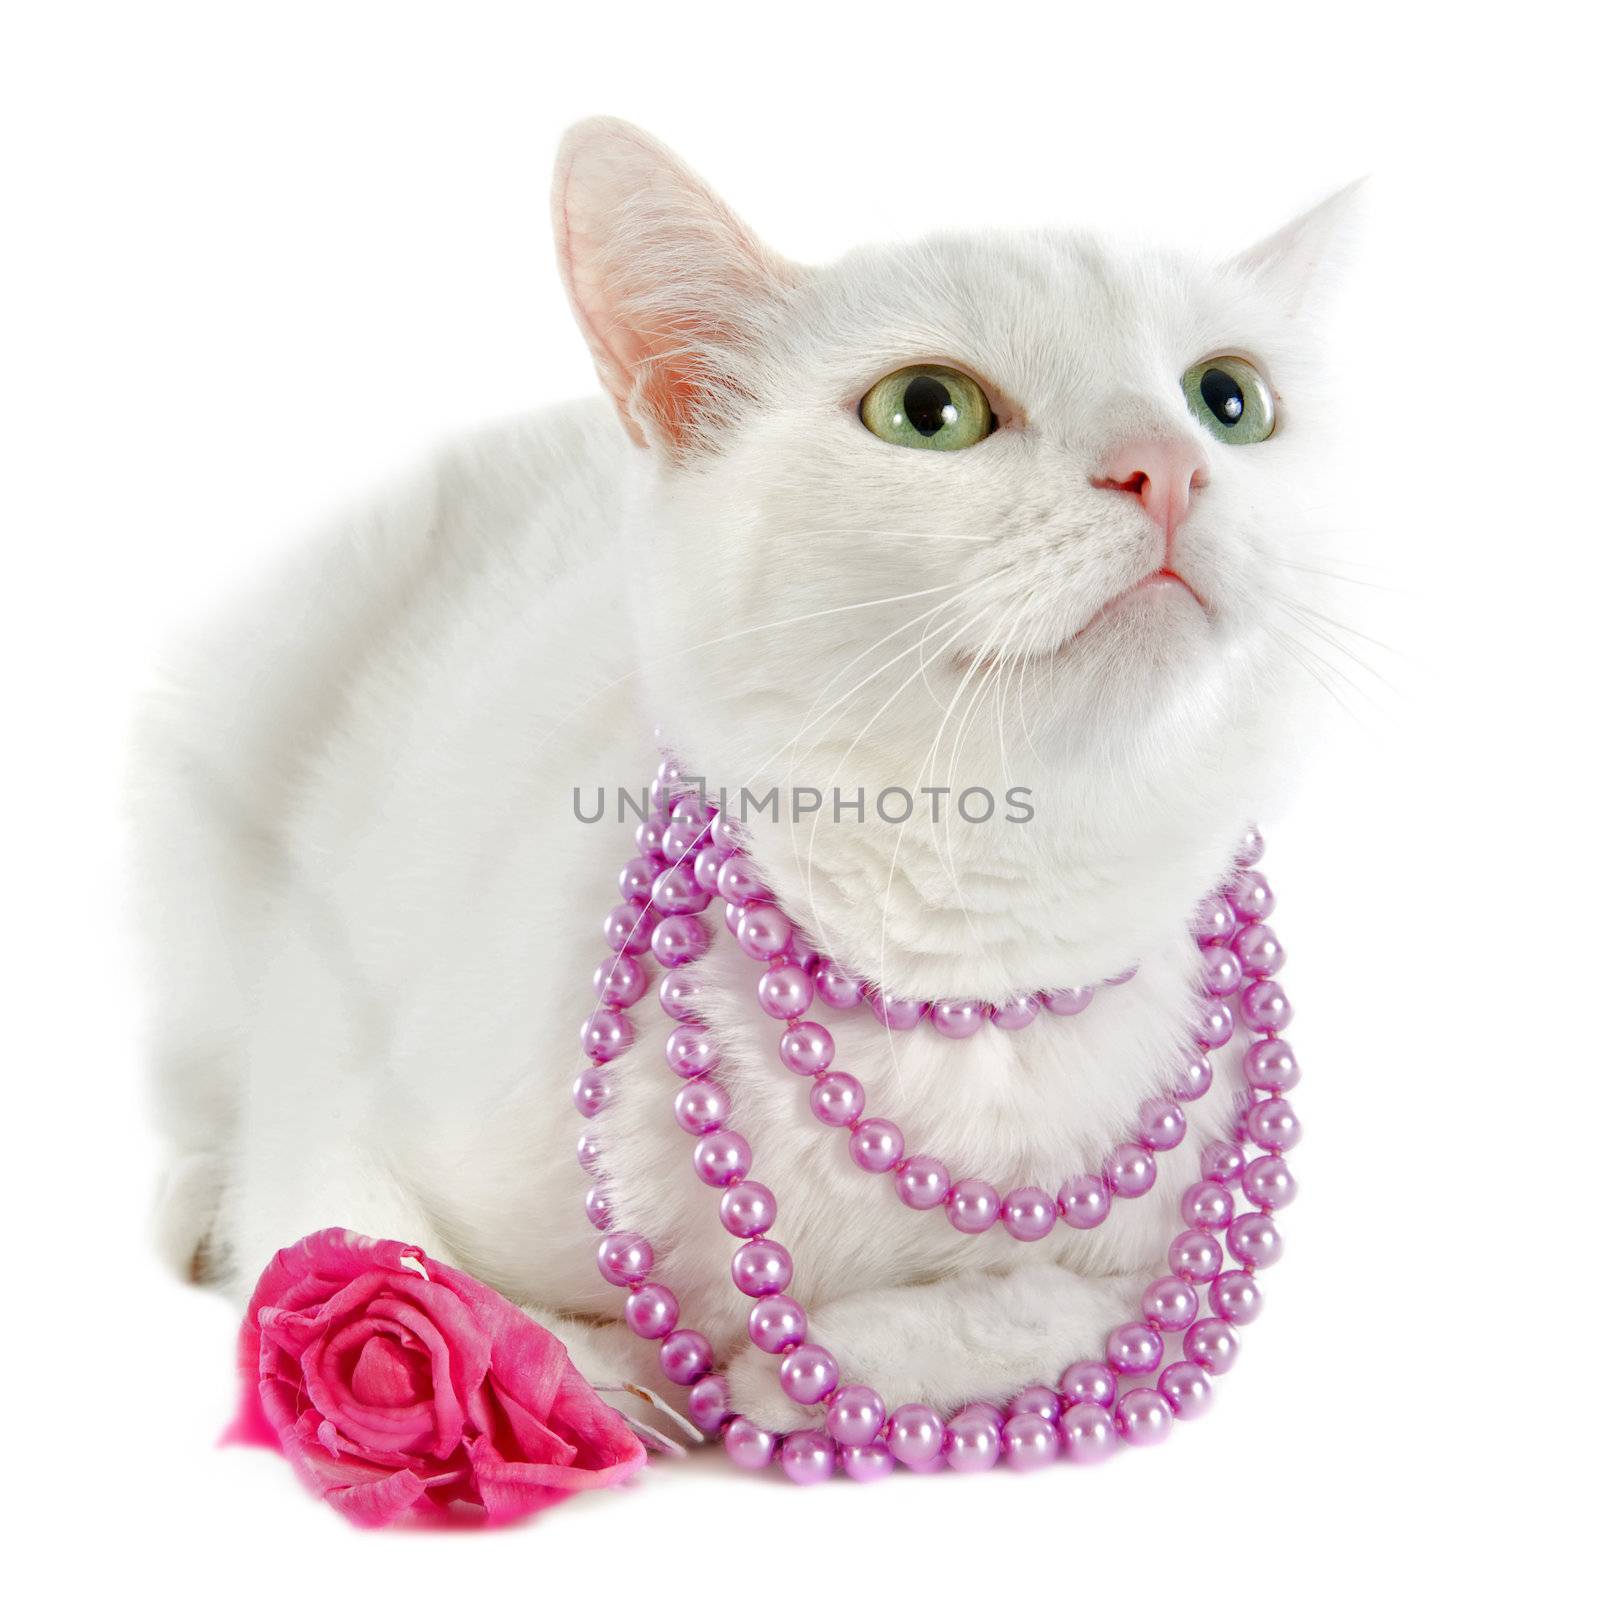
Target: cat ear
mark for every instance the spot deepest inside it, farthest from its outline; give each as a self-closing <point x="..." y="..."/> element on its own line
<point x="669" y="287"/>
<point x="1302" y="260"/>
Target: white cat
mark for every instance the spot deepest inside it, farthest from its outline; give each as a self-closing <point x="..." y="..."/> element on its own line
<point x="378" y="913"/>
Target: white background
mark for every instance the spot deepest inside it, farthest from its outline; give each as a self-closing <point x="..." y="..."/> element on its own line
<point x="256" y="256"/>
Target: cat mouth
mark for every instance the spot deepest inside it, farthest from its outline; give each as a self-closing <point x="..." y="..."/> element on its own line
<point x="1163" y="581"/>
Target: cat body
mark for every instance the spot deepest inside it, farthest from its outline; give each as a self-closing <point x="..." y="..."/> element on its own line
<point x="379" y="910"/>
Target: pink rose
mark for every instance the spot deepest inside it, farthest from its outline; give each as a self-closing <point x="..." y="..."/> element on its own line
<point x="394" y="1383"/>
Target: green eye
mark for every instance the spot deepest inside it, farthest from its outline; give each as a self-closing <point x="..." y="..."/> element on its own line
<point x="928" y="408"/>
<point x="1231" y="398"/>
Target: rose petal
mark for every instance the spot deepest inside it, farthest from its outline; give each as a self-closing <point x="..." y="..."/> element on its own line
<point x="381" y="1376"/>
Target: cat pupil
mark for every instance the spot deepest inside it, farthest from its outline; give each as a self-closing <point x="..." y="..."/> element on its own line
<point x="1222" y="395"/>
<point x="927" y="405"/>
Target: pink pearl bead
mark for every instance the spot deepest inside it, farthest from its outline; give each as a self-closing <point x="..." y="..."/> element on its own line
<point x="1195" y="1257"/>
<point x="1170" y="1304"/>
<point x="837" y="1099"/>
<point x="701" y="1106"/>
<point x="691" y="1050"/>
<point x="726" y="833"/>
<point x="1251" y="847"/>
<point x="678" y="992"/>
<point x="1211" y="1344"/>
<point x="1012" y="1015"/>
<point x="737" y="882"/>
<point x="627" y="929"/>
<point x="589" y="1153"/>
<point x="597" y="1208"/>
<point x="866" y="1463"/>
<point x="1028" y="1214"/>
<point x="957" y="1019"/>
<point x="922" y="1183"/>
<point x="636" y="879"/>
<point x="1125" y="976"/>
<point x="972" y="1443"/>
<point x="1088" y="1433"/>
<point x="1187" y="1389"/>
<point x="764" y="932"/>
<point x="651" y="1311"/>
<point x="1273" y="1125"/>
<point x="777" y="1323"/>
<point x="1221" y="973"/>
<point x="761" y="1267"/>
<point x="900" y="1015"/>
<point x="683" y="838"/>
<point x="590" y="1091"/>
<point x="732" y="916"/>
<point x="1194" y="1076"/>
<point x="836" y="987"/>
<point x="1214" y="921"/>
<point x="1221" y="1161"/>
<point x="972" y="1206"/>
<point x="1067" y="1002"/>
<point x="1260" y="954"/>
<point x="1254" y="1240"/>
<point x="1133" y="1348"/>
<point x="808" y="1374"/>
<point x="1130" y="1171"/>
<point x="747" y="1445"/>
<point x="807" y="1457"/>
<point x="686" y="1356"/>
<point x="1213" y="1027"/>
<point x="1270" y="1064"/>
<point x="916" y="1435"/>
<point x="1266" y="1007"/>
<point x="1161" y="1125"/>
<point x="856" y="1414"/>
<point x="605" y="1035"/>
<point x="806" y="1048"/>
<point x="1084" y="1202"/>
<point x="1250" y="897"/>
<point x="721" y="1158"/>
<point x="1236" y="1298"/>
<point x="620" y="981"/>
<point x="1037" y="1400"/>
<point x="675" y="891"/>
<point x="784" y="992"/>
<point x="707" y="1405"/>
<point x="625" y="1259"/>
<point x="1206" y="1205"/>
<point x="707" y="863"/>
<point x="1088" y="1382"/>
<point x="679" y="940"/>
<point x="649" y="837"/>
<point x="1267" y="1182"/>
<point x="876" y="1144"/>
<point x="748" y="1208"/>
<point x="1144" y="1416"/>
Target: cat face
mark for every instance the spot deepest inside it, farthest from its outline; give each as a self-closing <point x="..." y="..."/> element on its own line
<point x="997" y="511"/>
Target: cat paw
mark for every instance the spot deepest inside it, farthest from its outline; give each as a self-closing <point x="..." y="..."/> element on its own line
<point x="755" y="1392"/>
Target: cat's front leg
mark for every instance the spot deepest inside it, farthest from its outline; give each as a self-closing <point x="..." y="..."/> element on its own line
<point x="979" y="1336"/>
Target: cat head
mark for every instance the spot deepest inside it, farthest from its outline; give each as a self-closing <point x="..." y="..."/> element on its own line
<point x="986" y="513"/>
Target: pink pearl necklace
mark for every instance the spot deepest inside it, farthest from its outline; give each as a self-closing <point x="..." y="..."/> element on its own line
<point x="1095" y="1403"/>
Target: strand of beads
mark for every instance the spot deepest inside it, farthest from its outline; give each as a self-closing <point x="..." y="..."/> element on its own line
<point x="923" y="1183"/>
<point x="1095" y="1404"/>
<point x="795" y="977"/>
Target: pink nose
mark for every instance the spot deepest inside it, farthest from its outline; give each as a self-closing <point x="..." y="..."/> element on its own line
<point x="1164" y="473"/>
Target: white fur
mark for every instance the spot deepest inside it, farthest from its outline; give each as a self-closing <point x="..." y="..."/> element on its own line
<point x="378" y="916"/>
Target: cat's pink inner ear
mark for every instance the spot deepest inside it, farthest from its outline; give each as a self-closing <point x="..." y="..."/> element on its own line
<point x="666" y="283"/>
